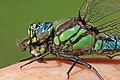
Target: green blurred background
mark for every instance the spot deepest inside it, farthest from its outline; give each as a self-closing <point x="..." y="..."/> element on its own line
<point x="17" y="15"/>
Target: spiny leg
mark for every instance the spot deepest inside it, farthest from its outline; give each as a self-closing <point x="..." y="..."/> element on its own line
<point x="77" y="60"/>
<point x="89" y="67"/>
<point x="25" y="59"/>
<point x="68" y="72"/>
<point x="37" y="58"/>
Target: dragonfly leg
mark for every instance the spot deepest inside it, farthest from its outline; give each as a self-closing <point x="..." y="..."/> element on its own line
<point x="68" y="72"/>
<point x="77" y="60"/>
<point x="35" y="59"/>
<point x="25" y="59"/>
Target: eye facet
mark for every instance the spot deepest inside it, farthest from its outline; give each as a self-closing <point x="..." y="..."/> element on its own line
<point x="43" y="27"/>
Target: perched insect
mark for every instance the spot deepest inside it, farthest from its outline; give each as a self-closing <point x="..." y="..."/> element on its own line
<point x="74" y="37"/>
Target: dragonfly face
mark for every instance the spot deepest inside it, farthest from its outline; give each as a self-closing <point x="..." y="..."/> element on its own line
<point x="40" y="31"/>
<point x="37" y="33"/>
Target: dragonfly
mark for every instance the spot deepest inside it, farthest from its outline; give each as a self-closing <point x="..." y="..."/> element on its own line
<point x="78" y="36"/>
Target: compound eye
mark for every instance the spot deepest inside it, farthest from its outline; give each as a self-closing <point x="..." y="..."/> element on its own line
<point x="43" y="28"/>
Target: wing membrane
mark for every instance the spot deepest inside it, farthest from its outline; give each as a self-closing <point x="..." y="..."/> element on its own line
<point x="94" y="10"/>
<point x="110" y="28"/>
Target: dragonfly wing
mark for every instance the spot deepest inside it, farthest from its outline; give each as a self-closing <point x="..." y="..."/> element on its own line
<point x="94" y="10"/>
<point x="110" y="28"/>
<point x="84" y="9"/>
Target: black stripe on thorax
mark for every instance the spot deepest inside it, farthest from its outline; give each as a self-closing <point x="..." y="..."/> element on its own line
<point x="72" y="36"/>
<point x="80" y="37"/>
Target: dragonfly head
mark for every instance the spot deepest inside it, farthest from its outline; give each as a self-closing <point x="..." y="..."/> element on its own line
<point x="37" y="33"/>
<point x="40" y="32"/>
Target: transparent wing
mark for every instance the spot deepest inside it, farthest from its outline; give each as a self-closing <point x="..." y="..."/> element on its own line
<point x="94" y="10"/>
<point x="110" y="28"/>
<point x="85" y="8"/>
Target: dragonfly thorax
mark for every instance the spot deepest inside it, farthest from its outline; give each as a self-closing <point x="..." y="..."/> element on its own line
<point x="94" y="29"/>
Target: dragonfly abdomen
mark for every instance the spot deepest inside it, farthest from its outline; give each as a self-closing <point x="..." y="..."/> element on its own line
<point x="110" y="43"/>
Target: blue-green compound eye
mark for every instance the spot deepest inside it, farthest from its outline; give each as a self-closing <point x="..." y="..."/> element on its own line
<point x="43" y="26"/>
<point x="43" y="30"/>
